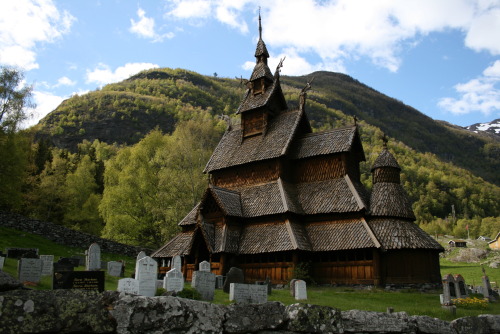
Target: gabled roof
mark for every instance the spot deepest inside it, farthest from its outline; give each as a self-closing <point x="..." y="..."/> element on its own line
<point x="402" y="234"/>
<point x="385" y="159"/>
<point x="390" y="200"/>
<point x="227" y="200"/>
<point x="232" y="151"/>
<point x="190" y="218"/>
<point x="323" y="143"/>
<point x="251" y="101"/>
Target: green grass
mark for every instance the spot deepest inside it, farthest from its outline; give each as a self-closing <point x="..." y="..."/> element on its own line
<point x="412" y="302"/>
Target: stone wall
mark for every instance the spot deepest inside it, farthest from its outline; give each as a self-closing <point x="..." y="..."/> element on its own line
<point x="77" y="311"/>
<point x="65" y="236"/>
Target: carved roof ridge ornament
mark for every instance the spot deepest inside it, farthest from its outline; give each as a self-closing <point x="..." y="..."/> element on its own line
<point x="303" y="94"/>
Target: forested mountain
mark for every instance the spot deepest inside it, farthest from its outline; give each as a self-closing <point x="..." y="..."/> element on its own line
<point x="124" y="112"/>
<point x="129" y="157"/>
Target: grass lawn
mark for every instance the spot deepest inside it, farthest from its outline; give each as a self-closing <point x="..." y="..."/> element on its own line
<point x="344" y="298"/>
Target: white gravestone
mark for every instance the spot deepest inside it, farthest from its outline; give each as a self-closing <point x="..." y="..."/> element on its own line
<point x="146" y="275"/>
<point x="128" y="285"/>
<point x="115" y="268"/>
<point x="30" y="270"/>
<point x="173" y="281"/>
<point x="139" y="256"/>
<point x="93" y="260"/>
<point x="204" y="284"/>
<point x="177" y="262"/>
<point x="204" y="266"/>
<point x="2" y="261"/>
<point x="47" y="264"/>
<point x="300" y="290"/>
<point x="248" y="293"/>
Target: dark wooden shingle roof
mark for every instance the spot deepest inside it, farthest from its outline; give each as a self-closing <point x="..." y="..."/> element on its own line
<point x="190" y="218"/>
<point x="179" y="245"/>
<point x="323" y="143"/>
<point x="340" y="235"/>
<point x="401" y="234"/>
<point x="263" y="238"/>
<point x="385" y="159"/>
<point x="390" y="200"/>
<point x="232" y="151"/>
<point x="229" y="201"/>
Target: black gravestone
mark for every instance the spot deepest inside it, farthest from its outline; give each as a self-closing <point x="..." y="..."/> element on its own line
<point x="84" y="280"/>
<point x="64" y="264"/>
<point x="234" y="275"/>
<point x="18" y="253"/>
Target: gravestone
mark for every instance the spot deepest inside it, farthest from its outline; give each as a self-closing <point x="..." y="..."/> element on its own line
<point x="47" y="264"/>
<point x="93" y="260"/>
<point x="74" y="261"/>
<point x="204" y="266"/>
<point x="234" y="275"/>
<point x="147" y="270"/>
<point x="177" y="262"/>
<point x="79" y="260"/>
<point x="204" y="284"/>
<point x="449" y="291"/>
<point x="115" y="268"/>
<point x="173" y="281"/>
<point x="300" y="290"/>
<point x="29" y="270"/>
<point x="17" y="253"/>
<point x="248" y="293"/>
<point x="83" y="280"/>
<point x="64" y="264"/>
<point x="219" y="281"/>
<point x="292" y="287"/>
<point x="104" y="265"/>
<point x="2" y="261"/>
<point x="141" y="255"/>
<point x="460" y="287"/>
<point x="128" y="285"/>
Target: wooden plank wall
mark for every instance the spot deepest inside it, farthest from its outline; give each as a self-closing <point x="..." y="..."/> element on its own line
<point x="278" y="272"/>
<point x="247" y="175"/>
<point x="353" y="272"/>
<point x="319" y="168"/>
<point x="253" y="123"/>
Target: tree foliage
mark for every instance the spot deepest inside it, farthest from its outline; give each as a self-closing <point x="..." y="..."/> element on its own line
<point x="14" y="99"/>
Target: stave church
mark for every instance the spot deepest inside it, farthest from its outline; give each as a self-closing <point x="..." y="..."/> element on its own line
<point x="282" y="198"/>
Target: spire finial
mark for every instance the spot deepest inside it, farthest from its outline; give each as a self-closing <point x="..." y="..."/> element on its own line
<point x="385" y="140"/>
<point x="260" y="26"/>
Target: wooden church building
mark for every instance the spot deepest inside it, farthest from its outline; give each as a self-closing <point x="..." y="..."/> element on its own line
<point x="281" y="196"/>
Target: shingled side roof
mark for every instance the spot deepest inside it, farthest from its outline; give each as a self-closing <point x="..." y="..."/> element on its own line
<point x="262" y="238"/>
<point x="402" y="234"/>
<point x="228" y="200"/>
<point x="232" y="151"/>
<point x="190" y="218"/>
<point x="323" y="143"/>
<point x="179" y="245"/>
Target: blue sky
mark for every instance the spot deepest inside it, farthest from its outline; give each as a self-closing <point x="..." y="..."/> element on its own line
<point x="441" y="57"/>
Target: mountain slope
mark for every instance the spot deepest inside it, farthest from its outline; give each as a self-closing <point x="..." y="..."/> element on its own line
<point x="125" y="111"/>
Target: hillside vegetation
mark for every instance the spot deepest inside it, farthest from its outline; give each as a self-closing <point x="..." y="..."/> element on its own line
<point x="127" y="159"/>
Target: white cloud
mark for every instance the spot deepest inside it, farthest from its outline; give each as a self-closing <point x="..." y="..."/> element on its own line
<point x="344" y="29"/>
<point x="145" y="27"/>
<point x="65" y="81"/>
<point x="45" y="103"/>
<point x="478" y="95"/>
<point x="103" y="74"/>
<point x="26" y="23"/>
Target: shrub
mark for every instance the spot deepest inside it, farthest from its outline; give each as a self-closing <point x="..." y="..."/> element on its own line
<point x="189" y="293"/>
<point x="471" y="303"/>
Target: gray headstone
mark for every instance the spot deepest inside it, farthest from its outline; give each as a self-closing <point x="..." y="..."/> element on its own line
<point x="300" y="290"/>
<point x="219" y="281"/>
<point x="29" y="270"/>
<point x="460" y="287"/>
<point x="93" y="260"/>
<point x="128" y="285"/>
<point x="248" y="293"/>
<point x="292" y="287"/>
<point x="115" y="268"/>
<point x="234" y="275"/>
<point x="204" y="284"/>
<point x="147" y="270"/>
<point x="177" y="262"/>
<point x="141" y="255"/>
<point x="2" y="261"/>
<point x="204" y="266"/>
<point x="173" y="281"/>
<point x="80" y="259"/>
<point x="47" y="264"/>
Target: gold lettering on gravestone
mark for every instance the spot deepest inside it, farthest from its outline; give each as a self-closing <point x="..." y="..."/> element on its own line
<point x="86" y="283"/>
